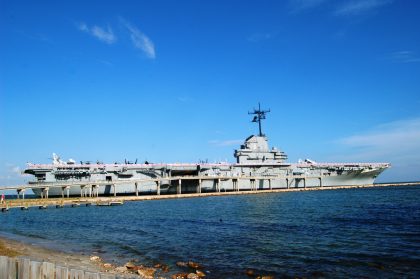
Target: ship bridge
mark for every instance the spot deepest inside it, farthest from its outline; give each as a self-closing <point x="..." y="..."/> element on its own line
<point x="256" y="150"/>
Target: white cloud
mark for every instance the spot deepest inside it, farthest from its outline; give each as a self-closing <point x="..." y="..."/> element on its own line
<point x="358" y="7"/>
<point x="299" y="5"/>
<point x="140" y="40"/>
<point x="184" y="99"/>
<point x="83" y="27"/>
<point x="389" y="135"/>
<point x="404" y="56"/>
<point x="12" y="174"/>
<point x="16" y="170"/>
<point x="257" y="37"/>
<point x="104" y="35"/>
<point x="396" y="142"/>
<point x="226" y="142"/>
<point x="342" y="8"/>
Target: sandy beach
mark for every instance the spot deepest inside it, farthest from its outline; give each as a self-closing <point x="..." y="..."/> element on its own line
<point x="13" y="248"/>
<point x="91" y="263"/>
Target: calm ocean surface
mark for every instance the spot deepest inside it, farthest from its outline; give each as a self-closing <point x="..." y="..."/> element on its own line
<point x="371" y="233"/>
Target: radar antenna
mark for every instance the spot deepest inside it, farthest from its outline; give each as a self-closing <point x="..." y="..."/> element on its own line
<point x="259" y="115"/>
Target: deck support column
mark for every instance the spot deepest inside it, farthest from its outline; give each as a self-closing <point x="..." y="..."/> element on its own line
<point x="45" y="191"/>
<point x="287" y="183"/>
<point x="68" y="191"/>
<point x="236" y="184"/>
<point x="62" y="192"/>
<point x="320" y="181"/>
<point x="269" y="184"/>
<point x="81" y="191"/>
<point x="20" y="191"/>
<point x="115" y="190"/>
<point x="90" y="191"/>
<point x="253" y="187"/>
<point x="217" y="181"/>
<point x="158" y="187"/>
<point x="304" y="183"/>
<point x="137" y="189"/>
<point x="179" y="187"/>
<point x="199" y="186"/>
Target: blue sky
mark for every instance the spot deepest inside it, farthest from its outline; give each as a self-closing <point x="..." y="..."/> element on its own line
<point x="172" y="81"/>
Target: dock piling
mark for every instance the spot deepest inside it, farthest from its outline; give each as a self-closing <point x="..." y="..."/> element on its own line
<point x="199" y="186"/>
<point x="179" y="190"/>
<point x="137" y="189"/>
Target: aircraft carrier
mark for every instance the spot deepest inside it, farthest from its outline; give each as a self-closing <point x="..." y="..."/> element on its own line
<point x="257" y="167"/>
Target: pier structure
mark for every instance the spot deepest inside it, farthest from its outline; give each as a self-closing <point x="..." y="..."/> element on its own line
<point x="91" y="188"/>
<point x="258" y="168"/>
<point x="89" y="192"/>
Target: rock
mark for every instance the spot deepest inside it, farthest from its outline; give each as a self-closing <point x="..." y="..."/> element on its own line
<point x="250" y="272"/>
<point x="147" y="272"/>
<point x="165" y="268"/>
<point x="182" y="264"/>
<point x="130" y="265"/>
<point x="265" y="277"/>
<point x="95" y="259"/>
<point x="200" y="273"/>
<point x="180" y="276"/>
<point x="194" y="265"/>
<point x="107" y="266"/>
<point x="121" y="269"/>
<point x="193" y="276"/>
<point x="158" y="265"/>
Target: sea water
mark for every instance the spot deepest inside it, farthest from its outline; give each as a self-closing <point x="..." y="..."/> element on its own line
<point x="369" y="232"/>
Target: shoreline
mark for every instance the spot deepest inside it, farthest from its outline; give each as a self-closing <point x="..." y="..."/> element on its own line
<point x="14" y="248"/>
<point x="87" y="263"/>
<point x="38" y="252"/>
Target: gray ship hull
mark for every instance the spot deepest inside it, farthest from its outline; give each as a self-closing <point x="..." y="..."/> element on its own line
<point x="209" y="184"/>
<point x="257" y="167"/>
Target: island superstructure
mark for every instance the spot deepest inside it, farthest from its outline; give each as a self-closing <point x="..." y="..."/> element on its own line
<point x="257" y="167"/>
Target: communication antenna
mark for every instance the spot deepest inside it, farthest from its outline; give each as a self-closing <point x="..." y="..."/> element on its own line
<point x="259" y="115"/>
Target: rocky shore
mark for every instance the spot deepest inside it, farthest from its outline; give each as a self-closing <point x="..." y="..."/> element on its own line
<point x="132" y="269"/>
<point x="13" y="248"/>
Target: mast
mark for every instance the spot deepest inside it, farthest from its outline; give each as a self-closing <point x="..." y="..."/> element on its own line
<point x="259" y="115"/>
